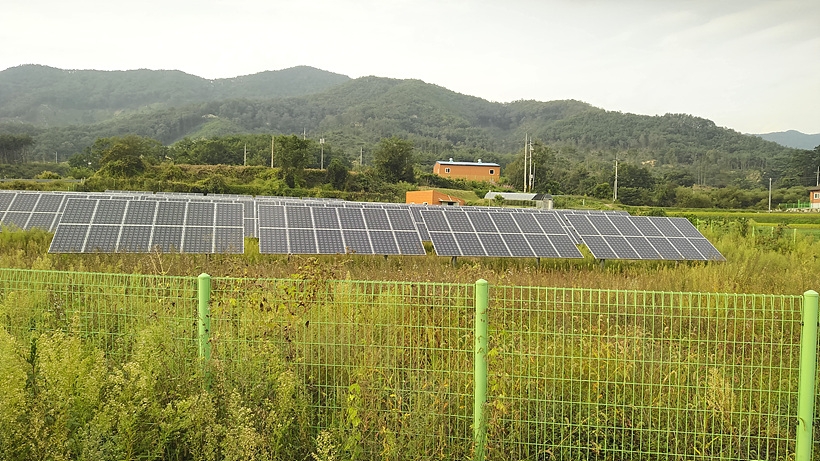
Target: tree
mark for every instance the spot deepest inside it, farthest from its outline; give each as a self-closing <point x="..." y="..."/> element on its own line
<point x="292" y="154"/>
<point x="127" y="156"/>
<point x="13" y="147"/>
<point x="337" y="174"/>
<point x="394" y="160"/>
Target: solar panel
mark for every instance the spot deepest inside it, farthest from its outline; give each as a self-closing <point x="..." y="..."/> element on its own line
<point x="610" y="236"/>
<point x="314" y="228"/>
<point x="498" y="233"/>
<point x="128" y="225"/>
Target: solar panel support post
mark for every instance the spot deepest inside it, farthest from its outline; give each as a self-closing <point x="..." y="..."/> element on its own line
<point x="807" y="376"/>
<point x="537" y="263"/>
<point x="204" y="324"/>
<point x="480" y="370"/>
<point x="603" y="264"/>
<point x="454" y="261"/>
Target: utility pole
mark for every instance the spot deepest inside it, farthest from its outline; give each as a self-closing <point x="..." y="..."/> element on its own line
<point x="770" y="194"/>
<point x="361" y="157"/>
<point x="245" y="158"/>
<point x="272" y="139"/>
<point x="818" y="176"/>
<point x="322" y="162"/>
<point x="526" y="140"/>
<point x="615" y="197"/>
<point x="532" y="168"/>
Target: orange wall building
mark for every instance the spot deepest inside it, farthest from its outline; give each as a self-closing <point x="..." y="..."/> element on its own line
<point x="431" y="197"/>
<point x="814" y="197"/>
<point x="472" y="171"/>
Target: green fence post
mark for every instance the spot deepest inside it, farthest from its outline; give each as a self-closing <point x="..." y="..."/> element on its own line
<point x="808" y="375"/>
<point x="204" y="323"/>
<point x="481" y="321"/>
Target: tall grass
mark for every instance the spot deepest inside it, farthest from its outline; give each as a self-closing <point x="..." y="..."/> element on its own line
<point x="318" y="358"/>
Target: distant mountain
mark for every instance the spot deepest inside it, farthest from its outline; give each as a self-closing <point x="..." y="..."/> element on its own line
<point x="793" y="139"/>
<point x="66" y="111"/>
<point x="45" y="96"/>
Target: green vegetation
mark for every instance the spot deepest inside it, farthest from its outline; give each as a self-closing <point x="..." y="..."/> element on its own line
<point x="312" y="358"/>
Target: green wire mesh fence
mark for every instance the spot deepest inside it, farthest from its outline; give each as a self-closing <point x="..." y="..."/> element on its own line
<point x="386" y="368"/>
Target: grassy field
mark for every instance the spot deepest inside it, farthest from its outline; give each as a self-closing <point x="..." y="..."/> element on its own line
<point x="360" y="357"/>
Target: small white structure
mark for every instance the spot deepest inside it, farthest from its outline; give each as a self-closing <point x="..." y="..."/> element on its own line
<point x="544" y="201"/>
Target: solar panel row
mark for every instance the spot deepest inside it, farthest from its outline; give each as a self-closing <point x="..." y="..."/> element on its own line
<point x="134" y="226"/>
<point x="643" y="237"/>
<point x="191" y="223"/>
<point x="297" y="229"/>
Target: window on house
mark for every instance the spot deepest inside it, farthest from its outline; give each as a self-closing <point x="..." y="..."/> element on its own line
<point x="492" y="171"/>
<point x="817" y="195"/>
<point x="446" y="170"/>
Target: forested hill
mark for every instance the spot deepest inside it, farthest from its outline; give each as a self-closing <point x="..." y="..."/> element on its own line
<point x="353" y="115"/>
<point x="45" y="96"/>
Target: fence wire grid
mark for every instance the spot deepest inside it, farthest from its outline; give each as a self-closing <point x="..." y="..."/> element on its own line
<point x="573" y="373"/>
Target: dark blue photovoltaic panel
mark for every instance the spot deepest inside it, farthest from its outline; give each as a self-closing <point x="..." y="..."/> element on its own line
<point x="400" y="219"/>
<point x="444" y="244"/>
<point x="109" y="212"/>
<point x="494" y="245"/>
<point x="140" y="212"/>
<point x="518" y="245"/>
<point x="229" y="240"/>
<point x="686" y="228"/>
<point x="665" y="248"/>
<point x="78" y="211"/>
<point x="102" y="239"/>
<point x="526" y="222"/>
<point x="409" y="243"/>
<point x="198" y="239"/>
<point x="622" y="248"/>
<point x="326" y="218"/>
<point x="273" y="241"/>
<point x="167" y="239"/>
<point x="597" y="245"/>
<point x="707" y="249"/>
<point x="302" y="241"/>
<point x="581" y="224"/>
<point x="384" y="243"/>
<point x="435" y="221"/>
<point x="482" y="222"/>
<point x="458" y="221"/>
<point x="49" y="203"/>
<point x="542" y="247"/>
<point x="135" y="239"/>
<point x="643" y="247"/>
<point x="271" y="216"/>
<point x="603" y="225"/>
<point x="645" y="225"/>
<point x="351" y="218"/>
<point x="71" y="240"/>
<point x="200" y="214"/>
<point x="505" y="223"/>
<point x="550" y="223"/>
<point x="376" y="218"/>
<point x="171" y="214"/>
<point x="330" y="241"/>
<point x="468" y="244"/>
<point x="16" y="219"/>
<point x="356" y="241"/>
<point x="298" y="217"/>
<point x="24" y="202"/>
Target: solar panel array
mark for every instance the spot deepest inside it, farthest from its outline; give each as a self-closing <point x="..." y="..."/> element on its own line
<point x="299" y="229"/>
<point x="643" y="237"/>
<point x="90" y="225"/>
<point x="483" y="233"/>
<point x="193" y="223"/>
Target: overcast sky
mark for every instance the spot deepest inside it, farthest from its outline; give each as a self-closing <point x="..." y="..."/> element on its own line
<point x="749" y="65"/>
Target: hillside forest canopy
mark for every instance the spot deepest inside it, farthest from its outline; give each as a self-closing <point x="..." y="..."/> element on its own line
<point x="380" y="136"/>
